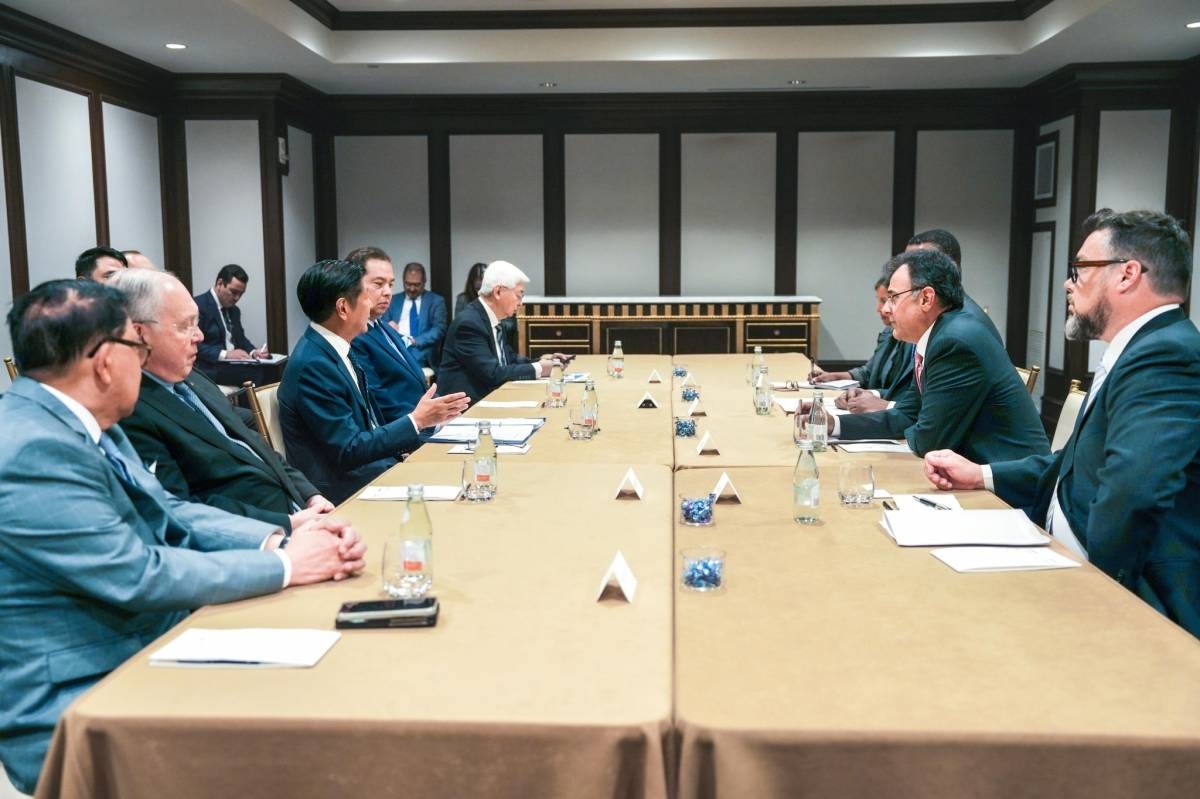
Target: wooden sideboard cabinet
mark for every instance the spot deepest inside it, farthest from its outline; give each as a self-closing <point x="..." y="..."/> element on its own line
<point x="669" y="325"/>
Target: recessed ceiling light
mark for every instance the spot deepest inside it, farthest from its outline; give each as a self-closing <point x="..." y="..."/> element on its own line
<point x="796" y="82"/>
<point x="176" y="46"/>
<point x="1195" y="24"/>
<point x="549" y="84"/>
<point x="372" y="66"/>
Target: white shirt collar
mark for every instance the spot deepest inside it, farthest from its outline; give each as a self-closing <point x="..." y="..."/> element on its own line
<point x="339" y="344"/>
<point x="83" y="414"/>
<point x="923" y="341"/>
<point x="217" y="300"/>
<point x="1125" y="334"/>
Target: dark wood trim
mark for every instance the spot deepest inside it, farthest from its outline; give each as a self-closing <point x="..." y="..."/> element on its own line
<point x="1020" y="245"/>
<point x="177" y="237"/>
<point x="441" y="278"/>
<point x="904" y="187"/>
<point x="325" y="196"/>
<point x="724" y="17"/>
<point x="1043" y="140"/>
<point x="554" y="217"/>
<point x="274" y="273"/>
<point x="670" y="213"/>
<point x="1182" y="153"/>
<point x="787" y="179"/>
<point x="99" y="169"/>
<point x="1083" y="203"/>
<point x="18" y="253"/>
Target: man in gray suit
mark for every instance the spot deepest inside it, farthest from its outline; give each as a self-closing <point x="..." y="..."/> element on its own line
<point x="96" y="560"/>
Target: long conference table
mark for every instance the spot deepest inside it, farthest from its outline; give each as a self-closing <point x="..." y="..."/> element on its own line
<point x="832" y="664"/>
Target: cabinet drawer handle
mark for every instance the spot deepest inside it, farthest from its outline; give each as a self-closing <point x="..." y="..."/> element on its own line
<point x="775" y="332"/>
<point x="558" y="333"/>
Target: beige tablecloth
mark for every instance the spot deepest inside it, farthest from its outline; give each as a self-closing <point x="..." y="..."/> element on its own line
<point x="527" y="687"/>
<point x="837" y="664"/>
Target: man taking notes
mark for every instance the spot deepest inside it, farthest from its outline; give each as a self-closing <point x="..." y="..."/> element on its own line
<point x="1125" y="490"/>
<point x="221" y="319"/>
<point x="96" y="560"/>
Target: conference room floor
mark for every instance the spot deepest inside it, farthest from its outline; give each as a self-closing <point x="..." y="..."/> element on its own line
<point x="833" y="663"/>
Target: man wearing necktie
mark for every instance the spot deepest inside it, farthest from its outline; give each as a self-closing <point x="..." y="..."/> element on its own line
<point x="221" y="320"/>
<point x="419" y="316"/>
<point x="201" y="449"/>
<point x="967" y="396"/>
<point x="476" y="357"/>
<point x="96" y="559"/>
<point x="394" y="375"/>
<point x="334" y="430"/>
<point x="1124" y="491"/>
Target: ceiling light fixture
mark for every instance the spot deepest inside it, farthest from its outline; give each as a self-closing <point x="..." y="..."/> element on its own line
<point x="549" y="84"/>
<point x="1195" y="24"/>
<point x="796" y="82"/>
<point x="175" y="46"/>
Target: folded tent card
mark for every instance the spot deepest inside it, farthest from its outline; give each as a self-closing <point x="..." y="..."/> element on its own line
<point x="707" y="446"/>
<point x="630" y="487"/>
<point x="618" y="580"/>
<point x="724" y="491"/>
<point x="694" y="409"/>
<point x="654" y="377"/>
<point x="647" y="401"/>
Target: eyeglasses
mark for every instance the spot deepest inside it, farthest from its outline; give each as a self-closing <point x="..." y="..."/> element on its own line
<point x="1073" y="267"/>
<point x="892" y="295"/>
<point x="184" y="327"/>
<point x="142" y="347"/>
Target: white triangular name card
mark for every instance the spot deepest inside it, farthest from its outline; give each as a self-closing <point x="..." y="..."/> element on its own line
<point x="630" y="487"/>
<point x="694" y="409"/>
<point x="654" y="377"/>
<point x="725" y="491"/>
<point x="618" y="580"/>
<point x="647" y="401"/>
<point x="707" y="446"/>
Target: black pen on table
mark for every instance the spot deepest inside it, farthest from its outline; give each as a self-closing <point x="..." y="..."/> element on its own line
<point x="929" y="503"/>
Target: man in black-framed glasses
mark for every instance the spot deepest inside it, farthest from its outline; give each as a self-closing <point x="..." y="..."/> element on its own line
<point x="1124" y="492"/>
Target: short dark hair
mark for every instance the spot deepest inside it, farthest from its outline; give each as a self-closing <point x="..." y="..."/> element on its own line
<point x="1155" y="239"/>
<point x="326" y="282"/>
<point x="85" y="264"/>
<point x="414" y="266"/>
<point x="364" y="254"/>
<point x="932" y="268"/>
<point x="230" y="272"/>
<point x="883" y="281"/>
<point x="943" y="240"/>
<point x="476" y="271"/>
<point x="55" y="323"/>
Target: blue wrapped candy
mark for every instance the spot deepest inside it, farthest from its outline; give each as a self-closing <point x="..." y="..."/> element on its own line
<point x="685" y="427"/>
<point x="689" y="393"/>
<point x="703" y="572"/>
<point x="698" y="511"/>
<point x="679" y="371"/>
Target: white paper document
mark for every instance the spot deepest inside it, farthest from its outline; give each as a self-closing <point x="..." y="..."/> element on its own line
<point x="400" y="493"/>
<point x="788" y="404"/>
<point x="514" y="431"/>
<point x="792" y="385"/>
<point x="273" y="358"/>
<point x="254" y="646"/>
<point x="1002" y="559"/>
<point x="577" y="377"/>
<point x="501" y="449"/>
<point x="508" y="404"/>
<point x="942" y="528"/>
<point x="873" y="446"/>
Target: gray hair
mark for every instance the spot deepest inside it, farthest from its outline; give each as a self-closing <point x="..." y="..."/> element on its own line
<point x="143" y="291"/>
<point x="501" y="273"/>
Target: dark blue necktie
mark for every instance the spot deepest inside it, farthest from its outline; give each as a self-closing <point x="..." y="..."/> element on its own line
<point x="117" y="460"/>
<point x="414" y="320"/>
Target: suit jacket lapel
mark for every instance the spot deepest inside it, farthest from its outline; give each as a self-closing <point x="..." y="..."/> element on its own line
<point x="351" y="384"/>
<point x="399" y="350"/>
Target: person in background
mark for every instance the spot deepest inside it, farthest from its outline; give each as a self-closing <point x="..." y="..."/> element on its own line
<point x="138" y="260"/>
<point x="418" y="315"/>
<point x="1124" y="492"/>
<point x="99" y="264"/>
<point x="508" y="325"/>
<point x="221" y="319"/>
<point x="96" y="559"/>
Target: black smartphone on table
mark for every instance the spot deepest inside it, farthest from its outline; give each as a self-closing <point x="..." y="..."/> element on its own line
<point x="373" y="614"/>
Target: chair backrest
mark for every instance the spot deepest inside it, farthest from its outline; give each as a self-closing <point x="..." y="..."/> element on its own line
<point x="12" y="368"/>
<point x="1066" y="420"/>
<point x="1029" y="376"/>
<point x="264" y="402"/>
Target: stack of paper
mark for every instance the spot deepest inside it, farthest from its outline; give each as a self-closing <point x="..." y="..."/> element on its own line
<point x="940" y="528"/>
<point x="514" y="431"/>
<point x="998" y="559"/>
<point x="873" y="446"/>
<point x="508" y="404"/>
<point x="247" y="647"/>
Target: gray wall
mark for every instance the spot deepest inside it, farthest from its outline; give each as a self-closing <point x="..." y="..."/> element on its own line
<point x="299" y="227"/>
<point x="134" y="186"/>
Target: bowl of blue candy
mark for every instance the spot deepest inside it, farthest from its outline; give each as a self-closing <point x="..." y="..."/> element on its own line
<point x="702" y="569"/>
<point x="679" y="370"/>
<point x="696" y="511"/>
<point x="689" y="393"/>
<point x="685" y="427"/>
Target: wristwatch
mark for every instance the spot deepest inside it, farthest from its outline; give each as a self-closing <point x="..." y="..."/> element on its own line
<point x="283" y="542"/>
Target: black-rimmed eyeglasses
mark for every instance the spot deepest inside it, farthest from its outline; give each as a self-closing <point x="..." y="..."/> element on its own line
<point x="142" y="347"/>
<point x="1073" y="267"/>
<point x="892" y="295"/>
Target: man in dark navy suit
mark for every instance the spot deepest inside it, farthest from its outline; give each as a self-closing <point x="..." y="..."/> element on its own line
<point x="394" y="375"/>
<point x="221" y="319"/>
<point x="476" y="358"/>
<point x="1125" y="490"/>
<point x="333" y="428"/>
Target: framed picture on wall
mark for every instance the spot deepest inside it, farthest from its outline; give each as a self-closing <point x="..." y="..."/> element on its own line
<point x="1045" y="171"/>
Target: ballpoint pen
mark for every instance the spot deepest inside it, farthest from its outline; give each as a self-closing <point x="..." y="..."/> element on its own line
<point x="930" y="503"/>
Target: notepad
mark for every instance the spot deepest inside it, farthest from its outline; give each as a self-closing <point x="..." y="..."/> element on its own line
<point x="939" y="528"/>
<point x="1002" y="559"/>
<point x="508" y="404"/>
<point x="873" y="446"/>
<point x="256" y="647"/>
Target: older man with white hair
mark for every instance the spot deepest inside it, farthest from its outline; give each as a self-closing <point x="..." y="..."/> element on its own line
<point x="476" y="358"/>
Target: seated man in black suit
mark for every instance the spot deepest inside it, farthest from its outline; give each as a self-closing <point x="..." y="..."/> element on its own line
<point x="968" y="398"/>
<point x="1124" y="492"/>
<point x="476" y="358"/>
<point x="100" y="264"/>
<point x="333" y="427"/>
<point x="221" y="319"/>
<point x="183" y="426"/>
